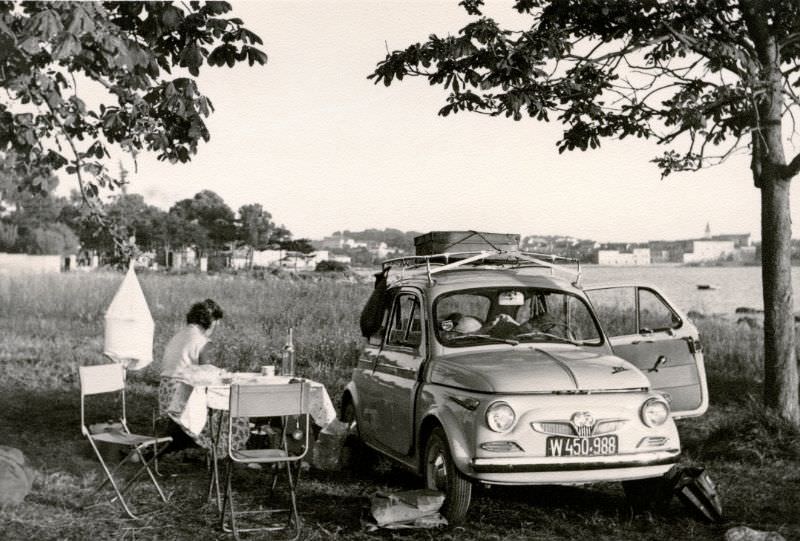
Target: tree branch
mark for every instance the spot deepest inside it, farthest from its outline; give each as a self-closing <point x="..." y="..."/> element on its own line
<point x="793" y="167"/>
<point x="694" y="45"/>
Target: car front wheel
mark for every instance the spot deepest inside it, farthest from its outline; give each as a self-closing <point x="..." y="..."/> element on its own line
<point x="441" y="474"/>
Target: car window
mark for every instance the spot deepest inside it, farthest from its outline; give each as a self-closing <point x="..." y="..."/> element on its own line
<point x="654" y="314"/>
<point x="467" y="304"/>
<point x="406" y="325"/>
<point x="616" y="309"/>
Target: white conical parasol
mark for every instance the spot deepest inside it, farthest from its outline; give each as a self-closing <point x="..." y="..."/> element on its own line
<point x="129" y="325"/>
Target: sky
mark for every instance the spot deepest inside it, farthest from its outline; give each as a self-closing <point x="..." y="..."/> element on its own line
<point x="324" y="149"/>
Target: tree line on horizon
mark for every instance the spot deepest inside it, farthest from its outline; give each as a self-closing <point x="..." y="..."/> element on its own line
<point x="36" y="224"/>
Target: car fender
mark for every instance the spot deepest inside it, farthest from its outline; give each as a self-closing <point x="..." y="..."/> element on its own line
<point x="349" y="390"/>
<point x="453" y="419"/>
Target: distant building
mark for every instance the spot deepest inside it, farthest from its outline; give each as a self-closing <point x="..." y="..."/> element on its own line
<point x="637" y="256"/>
<point x="346" y="259"/>
<point x="21" y="264"/>
<point x="739" y="240"/>
<point x="668" y="251"/>
<point x="329" y="243"/>
<point x="184" y="257"/>
<point x="709" y="250"/>
<point x="265" y="258"/>
<point x="378" y="249"/>
<point x="298" y="261"/>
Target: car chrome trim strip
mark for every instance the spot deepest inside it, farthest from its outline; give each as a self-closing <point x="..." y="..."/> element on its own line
<point x="365" y="363"/>
<point x="396" y="371"/>
<point x="566" y="428"/>
<point x="515" y="465"/>
<point x="539" y="393"/>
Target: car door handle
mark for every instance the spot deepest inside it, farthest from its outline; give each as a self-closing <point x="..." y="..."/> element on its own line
<point x="642" y="342"/>
<point x="661" y="361"/>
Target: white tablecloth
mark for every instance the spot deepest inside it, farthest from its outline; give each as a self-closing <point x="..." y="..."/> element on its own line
<point x="205" y="390"/>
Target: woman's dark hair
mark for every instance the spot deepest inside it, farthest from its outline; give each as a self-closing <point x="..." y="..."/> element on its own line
<point x="204" y="313"/>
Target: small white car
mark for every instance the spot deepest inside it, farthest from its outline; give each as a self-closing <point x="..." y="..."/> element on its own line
<point x="498" y="368"/>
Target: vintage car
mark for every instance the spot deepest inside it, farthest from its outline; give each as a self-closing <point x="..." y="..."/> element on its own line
<point x="499" y="368"/>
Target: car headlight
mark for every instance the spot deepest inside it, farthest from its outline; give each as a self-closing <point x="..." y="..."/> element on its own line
<point x="500" y="417"/>
<point x="655" y="411"/>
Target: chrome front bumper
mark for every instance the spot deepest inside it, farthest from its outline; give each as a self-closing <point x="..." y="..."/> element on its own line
<point x="572" y="470"/>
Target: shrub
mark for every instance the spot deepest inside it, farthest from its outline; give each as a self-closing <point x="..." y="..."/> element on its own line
<point x="332" y="266"/>
<point x="748" y="432"/>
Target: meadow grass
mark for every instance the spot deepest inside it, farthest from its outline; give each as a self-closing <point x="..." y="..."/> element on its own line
<point x="50" y="325"/>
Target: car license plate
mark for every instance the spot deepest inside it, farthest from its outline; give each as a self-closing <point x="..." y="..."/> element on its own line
<point x="594" y="446"/>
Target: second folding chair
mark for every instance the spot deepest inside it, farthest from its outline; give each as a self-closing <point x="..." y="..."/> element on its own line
<point x="110" y="378"/>
<point x="268" y="401"/>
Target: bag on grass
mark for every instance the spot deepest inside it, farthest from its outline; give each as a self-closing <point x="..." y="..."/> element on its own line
<point x="326" y="454"/>
<point x="16" y="476"/>
<point x="697" y="491"/>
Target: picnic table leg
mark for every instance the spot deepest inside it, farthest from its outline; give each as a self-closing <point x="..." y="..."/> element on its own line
<point x="213" y="483"/>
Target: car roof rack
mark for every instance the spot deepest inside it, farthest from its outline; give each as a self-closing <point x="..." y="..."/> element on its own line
<point x="436" y="263"/>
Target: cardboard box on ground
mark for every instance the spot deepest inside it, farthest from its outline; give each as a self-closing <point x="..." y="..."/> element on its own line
<point x="408" y="509"/>
<point x="326" y="454"/>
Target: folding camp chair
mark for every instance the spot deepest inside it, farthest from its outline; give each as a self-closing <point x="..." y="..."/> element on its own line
<point x="110" y="378"/>
<point x="276" y="400"/>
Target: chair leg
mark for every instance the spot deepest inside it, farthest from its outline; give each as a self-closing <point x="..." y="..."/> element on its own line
<point x="146" y="466"/>
<point x="213" y="483"/>
<point x="228" y="503"/>
<point x="110" y="478"/>
<point x="155" y="445"/>
<point x="295" y="516"/>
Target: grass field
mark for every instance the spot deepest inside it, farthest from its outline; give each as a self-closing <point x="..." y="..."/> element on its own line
<point x="50" y="325"/>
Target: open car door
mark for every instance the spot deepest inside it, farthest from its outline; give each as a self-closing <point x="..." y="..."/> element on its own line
<point x="646" y="330"/>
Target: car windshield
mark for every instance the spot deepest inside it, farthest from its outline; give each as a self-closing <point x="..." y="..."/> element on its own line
<point x="513" y="315"/>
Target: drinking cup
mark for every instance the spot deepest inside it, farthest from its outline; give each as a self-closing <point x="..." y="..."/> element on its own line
<point x="268" y="370"/>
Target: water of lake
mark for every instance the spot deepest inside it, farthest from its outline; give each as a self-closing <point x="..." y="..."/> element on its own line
<point x="737" y="286"/>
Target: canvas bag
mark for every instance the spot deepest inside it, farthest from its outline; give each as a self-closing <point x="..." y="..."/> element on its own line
<point x="16" y="476"/>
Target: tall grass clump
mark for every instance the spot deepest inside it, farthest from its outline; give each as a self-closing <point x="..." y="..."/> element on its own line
<point x="751" y="433"/>
<point x="51" y="324"/>
<point x="734" y="358"/>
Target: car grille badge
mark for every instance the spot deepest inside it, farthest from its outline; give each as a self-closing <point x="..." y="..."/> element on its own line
<point x="583" y="422"/>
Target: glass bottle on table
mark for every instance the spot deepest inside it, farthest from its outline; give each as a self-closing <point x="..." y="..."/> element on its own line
<point x="287" y="356"/>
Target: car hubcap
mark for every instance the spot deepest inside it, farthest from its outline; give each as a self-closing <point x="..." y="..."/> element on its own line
<point x="350" y="419"/>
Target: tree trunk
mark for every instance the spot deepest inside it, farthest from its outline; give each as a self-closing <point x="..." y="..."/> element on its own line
<point x="773" y="177"/>
<point x="780" y="359"/>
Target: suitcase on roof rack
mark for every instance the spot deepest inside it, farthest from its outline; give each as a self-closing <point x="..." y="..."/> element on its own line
<point x="442" y="242"/>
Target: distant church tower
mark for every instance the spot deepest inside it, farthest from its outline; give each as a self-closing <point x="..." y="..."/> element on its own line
<point x="708" y="230"/>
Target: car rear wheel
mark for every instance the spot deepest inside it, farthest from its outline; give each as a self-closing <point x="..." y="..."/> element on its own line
<point x="441" y="474"/>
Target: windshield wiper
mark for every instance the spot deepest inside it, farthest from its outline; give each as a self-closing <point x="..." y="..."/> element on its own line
<point x="487" y="337"/>
<point x="546" y="335"/>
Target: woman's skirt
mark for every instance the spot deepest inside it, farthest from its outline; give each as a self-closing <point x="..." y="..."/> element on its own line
<point x="173" y="395"/>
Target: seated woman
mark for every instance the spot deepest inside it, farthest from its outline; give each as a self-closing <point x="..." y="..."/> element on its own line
<point x="190" y="346"/>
